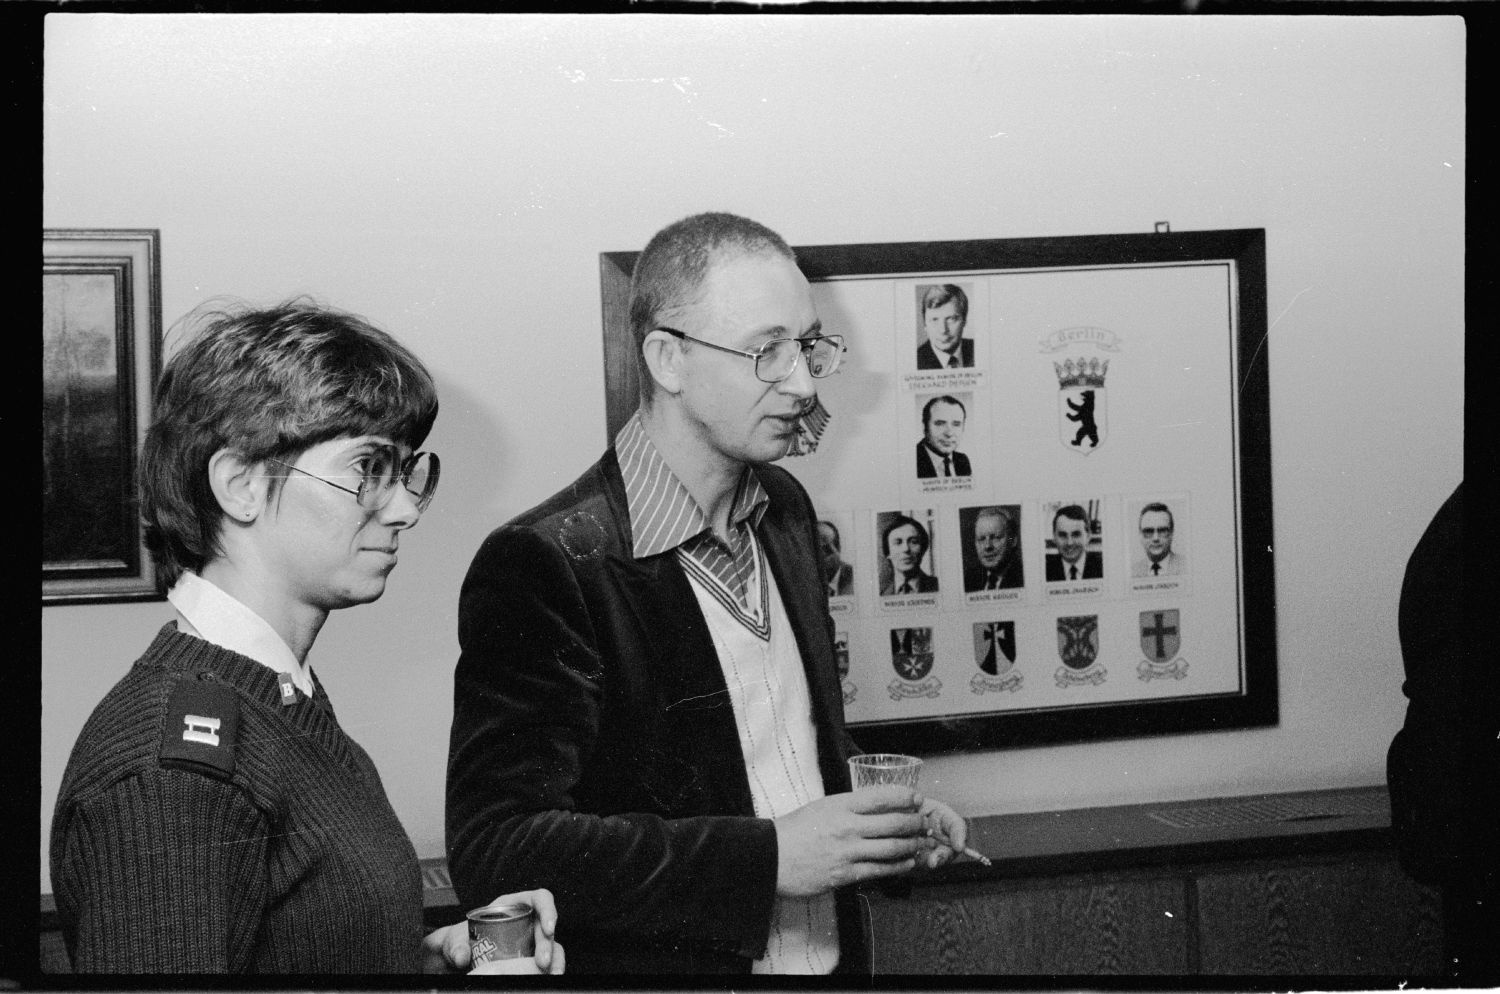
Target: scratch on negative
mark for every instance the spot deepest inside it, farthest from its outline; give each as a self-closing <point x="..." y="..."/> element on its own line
<point x="269" y="836"/>
<point x="870" y="921"/>
<point x="682" y="84"/>
<point x="699" y="697"/>
<point x="1262" y="343"/>
<point x="302" y="733"/>
<point x="221" y="843"/>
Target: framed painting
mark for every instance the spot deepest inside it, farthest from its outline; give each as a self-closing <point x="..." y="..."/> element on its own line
<point x="101" y="355"/>
<point x="1044" y="490"/>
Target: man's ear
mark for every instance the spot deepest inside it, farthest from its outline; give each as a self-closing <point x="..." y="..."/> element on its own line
<point x="663" y="354"/>
<point x="237" y="485"/>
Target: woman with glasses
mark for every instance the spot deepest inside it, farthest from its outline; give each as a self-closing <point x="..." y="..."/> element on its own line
<point x="214" y="817"/>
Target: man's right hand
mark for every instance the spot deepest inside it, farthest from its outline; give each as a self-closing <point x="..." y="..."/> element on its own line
<point x="848" y="838"/>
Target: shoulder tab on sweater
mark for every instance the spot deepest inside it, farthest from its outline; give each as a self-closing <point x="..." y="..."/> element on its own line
<point x="201" y="727"/>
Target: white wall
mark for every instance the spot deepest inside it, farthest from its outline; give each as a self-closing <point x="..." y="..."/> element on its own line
<point x="455" y="177"/>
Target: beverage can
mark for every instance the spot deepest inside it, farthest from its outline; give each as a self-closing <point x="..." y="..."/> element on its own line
<point x="501" y="931"/>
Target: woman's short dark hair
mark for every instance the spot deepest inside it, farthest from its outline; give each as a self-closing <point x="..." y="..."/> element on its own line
<point x="265" y="383"/>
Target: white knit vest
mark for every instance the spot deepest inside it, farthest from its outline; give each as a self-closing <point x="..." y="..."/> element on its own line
<point x="773" y="713"/>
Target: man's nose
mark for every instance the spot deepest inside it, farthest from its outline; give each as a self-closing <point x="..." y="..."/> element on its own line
<point x="800" y="382"/>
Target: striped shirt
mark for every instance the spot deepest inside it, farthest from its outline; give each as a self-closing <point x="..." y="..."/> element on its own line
<point x="664" y="516"/>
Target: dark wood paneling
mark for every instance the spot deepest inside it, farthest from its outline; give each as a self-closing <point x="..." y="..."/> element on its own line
<point x="1355" y="915"/>
<point x="53" y="955"/>
<point x="1120" y="926"/>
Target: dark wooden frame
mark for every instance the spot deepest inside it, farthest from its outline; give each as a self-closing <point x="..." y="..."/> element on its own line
<point x="131" y="259"/>
<point x="1257" y="704"/>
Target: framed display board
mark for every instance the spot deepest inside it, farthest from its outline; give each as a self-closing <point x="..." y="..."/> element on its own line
<point x="1045" y="489"/>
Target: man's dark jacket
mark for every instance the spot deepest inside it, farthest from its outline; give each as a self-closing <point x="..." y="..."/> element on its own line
<point x="925" y="583"/>
<point x="927" y="357"/>
<point x="928" y="463"/>
<point x="1093" y="566"/>
<point x="594" y="750"/>
<point x="1443" y="766"/>
<point x="1011" y="576"/>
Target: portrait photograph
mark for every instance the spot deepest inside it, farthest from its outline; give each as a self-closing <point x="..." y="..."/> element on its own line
<point x="942" y="419"/>
<point x="1156" y="534"/>
<point x="990" y="547"/>
<point x="1074" y="540"/>
<point x="943" y="339"/>
<point x="835" y="555"/>
<point x="903" y="543"/>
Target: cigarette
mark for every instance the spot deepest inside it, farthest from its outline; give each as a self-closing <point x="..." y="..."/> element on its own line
<point x="966" y="851"/>
<point x="975" y="854"/>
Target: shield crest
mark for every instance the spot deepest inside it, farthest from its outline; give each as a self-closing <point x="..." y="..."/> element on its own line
<point x="995" y="646"/>
<point x="1078" y="641"/>
<point x="911" y="652"/>
<point x="1161" y="635"/>
<point x="1082" y="403"/>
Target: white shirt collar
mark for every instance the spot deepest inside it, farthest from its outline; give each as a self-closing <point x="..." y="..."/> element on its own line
<point x="205" y="610"/>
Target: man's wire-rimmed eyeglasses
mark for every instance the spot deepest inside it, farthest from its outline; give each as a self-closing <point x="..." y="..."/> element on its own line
<point x="777" y="359"/>
<point x="383" y="469"/>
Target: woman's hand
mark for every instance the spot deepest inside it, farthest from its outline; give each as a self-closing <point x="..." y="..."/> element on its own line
<point x="446" y="950"/>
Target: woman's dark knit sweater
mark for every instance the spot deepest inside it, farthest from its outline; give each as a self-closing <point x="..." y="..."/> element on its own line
<point x="293" y="862"/>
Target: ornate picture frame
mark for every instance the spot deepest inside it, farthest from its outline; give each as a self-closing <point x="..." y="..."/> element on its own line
<point x="101" y="356"/>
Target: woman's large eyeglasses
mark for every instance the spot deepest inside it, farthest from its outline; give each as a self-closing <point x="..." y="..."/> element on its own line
<point x="777" y="359"/>
<point x="383" y="469"/>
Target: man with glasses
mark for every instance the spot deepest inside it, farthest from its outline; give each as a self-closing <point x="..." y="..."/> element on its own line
<point x="1159" y="558"/>
<point x="648" y="719"/>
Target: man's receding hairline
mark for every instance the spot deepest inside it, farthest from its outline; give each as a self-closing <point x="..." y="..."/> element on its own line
<point x="992" y="512"/>
<point x="719" y="257"/>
